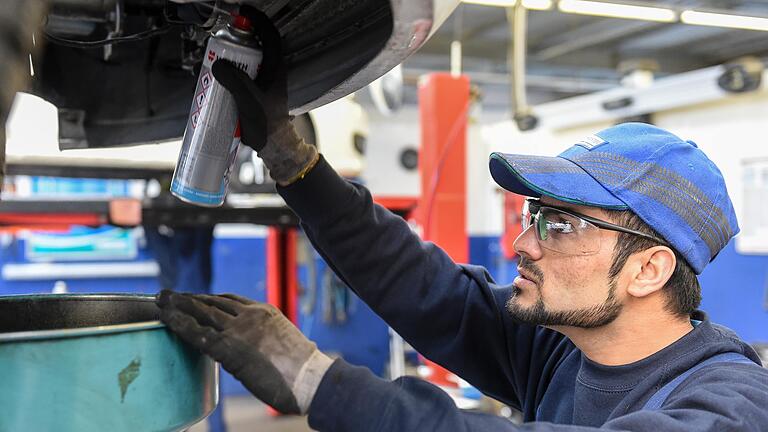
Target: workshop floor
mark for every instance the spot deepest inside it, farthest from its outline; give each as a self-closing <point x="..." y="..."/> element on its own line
<point x="246" y="414"/>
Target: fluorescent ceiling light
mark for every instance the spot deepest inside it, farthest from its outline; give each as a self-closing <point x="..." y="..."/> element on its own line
<point x="617" y="10"/>
<point x="528" y="4"/>
<point x="723" y="20"/>
<point x="633" y="11"/>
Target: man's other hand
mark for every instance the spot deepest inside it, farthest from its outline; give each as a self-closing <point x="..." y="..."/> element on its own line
<point x="253" y="341"/>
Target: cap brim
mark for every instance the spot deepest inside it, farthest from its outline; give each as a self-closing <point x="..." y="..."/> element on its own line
<point x="554" y="177"/>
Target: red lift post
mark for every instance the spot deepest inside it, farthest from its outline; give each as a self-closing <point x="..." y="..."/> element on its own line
<point x="442" y="214"/>
<point x="282" y="271"/>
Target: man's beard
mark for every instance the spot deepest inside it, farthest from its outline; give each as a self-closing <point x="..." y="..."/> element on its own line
<point x="587" y="317"/>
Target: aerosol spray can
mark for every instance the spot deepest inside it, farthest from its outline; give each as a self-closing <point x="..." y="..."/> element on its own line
<point x="212" y="136"/>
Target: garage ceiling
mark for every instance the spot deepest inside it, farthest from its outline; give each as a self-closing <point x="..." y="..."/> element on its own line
<point x="574" y="54"/>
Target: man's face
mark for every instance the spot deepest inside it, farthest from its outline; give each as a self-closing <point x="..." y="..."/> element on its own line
<point x="565" y="289"/>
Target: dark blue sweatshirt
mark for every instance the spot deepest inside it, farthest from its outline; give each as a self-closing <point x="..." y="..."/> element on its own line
<point x="455" y="315"/>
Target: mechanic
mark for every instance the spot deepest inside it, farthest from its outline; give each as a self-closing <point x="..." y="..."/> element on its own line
<point x="600" y="331"/>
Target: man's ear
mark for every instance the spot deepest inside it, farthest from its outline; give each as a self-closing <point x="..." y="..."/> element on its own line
<point x="652" y="268"/>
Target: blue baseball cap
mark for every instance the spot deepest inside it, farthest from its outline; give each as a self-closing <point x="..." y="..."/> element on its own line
<point x="668" y="182"/>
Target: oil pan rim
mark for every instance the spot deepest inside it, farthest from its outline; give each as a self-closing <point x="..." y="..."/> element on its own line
<point x="36" y="335"/>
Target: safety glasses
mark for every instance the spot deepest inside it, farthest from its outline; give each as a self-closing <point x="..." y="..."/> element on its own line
<point x="568" y="232"/>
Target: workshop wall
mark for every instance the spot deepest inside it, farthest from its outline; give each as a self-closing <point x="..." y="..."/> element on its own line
<point x="485" y="211"/>
<point x="385" y="175"/>
<point x="391" y="136"/>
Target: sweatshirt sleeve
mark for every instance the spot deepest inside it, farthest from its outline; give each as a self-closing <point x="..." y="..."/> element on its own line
<point x="452" y="314"/>
<point x="353" y="399"/>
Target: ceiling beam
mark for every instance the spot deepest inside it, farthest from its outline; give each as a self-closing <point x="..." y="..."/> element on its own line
<point x="600" y="32"/>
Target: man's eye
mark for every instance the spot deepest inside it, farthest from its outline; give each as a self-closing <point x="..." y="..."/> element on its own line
<point x="564" y="227"/>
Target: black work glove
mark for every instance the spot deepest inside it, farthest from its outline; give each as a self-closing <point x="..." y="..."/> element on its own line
<point x="265" y="124"/>
<point x="253" y="341"/>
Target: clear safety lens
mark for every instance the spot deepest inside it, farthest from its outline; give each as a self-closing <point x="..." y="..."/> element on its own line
<point x="560" y="231"/>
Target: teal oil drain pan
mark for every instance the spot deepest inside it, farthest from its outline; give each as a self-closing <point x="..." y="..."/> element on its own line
<point x="98" y="362"/>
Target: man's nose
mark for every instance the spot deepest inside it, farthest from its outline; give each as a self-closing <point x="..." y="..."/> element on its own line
<point x="527" y="245"/>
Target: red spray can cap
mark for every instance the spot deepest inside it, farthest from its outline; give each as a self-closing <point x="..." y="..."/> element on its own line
<point x="241" y="22"/>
